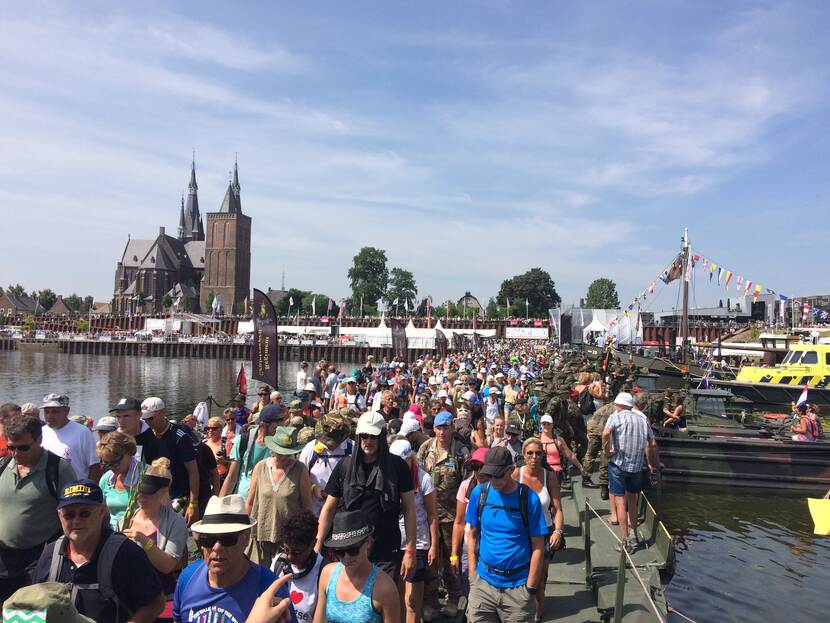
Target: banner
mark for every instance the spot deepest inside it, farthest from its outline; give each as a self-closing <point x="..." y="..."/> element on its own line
<point x="264" y="349"/>
<point x="441" y="343"/>
<point x="399" y="346"/>
<point x="457" y="342"/>
<point x="526" y="333"/>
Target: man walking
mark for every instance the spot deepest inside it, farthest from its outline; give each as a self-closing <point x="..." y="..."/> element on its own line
<point x="30" y="480"/>
<point x="627" y="439"/>
<point x="506" y="545"/>
<point x="596" y="424"/>
<point x="69" y="440"/>
<point x="249" y="449"/>
<point x="127" y="412"/>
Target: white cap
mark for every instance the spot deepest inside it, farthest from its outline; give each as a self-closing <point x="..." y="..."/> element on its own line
<point x="433" y="380"/>
<point x="401" y="448"/>
<point x="370" y="423"/>
<point x="409" y="425"/>
<point x="457" y="382"/>
<point x="546" y="419"/>
<point x="490" y="377"/>
<point x="443" y="393"/>
<point x="468" y="395"/>
<point x="624" y="399"/>
<point x="499" y="375"/>
<point x="106" y="424"/>
<point x="151" y="406"/>
<point x="494" y="391"/>
<point x="275" y="394"/>
<point x="409" y="415"/>
<point x="309" y="387"/>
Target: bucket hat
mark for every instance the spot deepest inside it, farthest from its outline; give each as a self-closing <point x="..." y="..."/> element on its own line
<point x="50" y="601"/>
<point x="284" y="441"/>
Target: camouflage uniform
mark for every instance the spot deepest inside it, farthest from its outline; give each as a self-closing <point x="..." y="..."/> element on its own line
<point x="447" y="471"/>
<point x="595" y="427"/>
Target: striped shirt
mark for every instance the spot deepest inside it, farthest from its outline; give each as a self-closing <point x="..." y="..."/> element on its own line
<point x="629" y="431"/>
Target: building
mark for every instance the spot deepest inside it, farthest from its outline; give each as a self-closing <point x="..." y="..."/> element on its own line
<point x="471" y="304"/>
<point x="11" y="305"/>
<point x="154" y="274"/>
<point x="59" y="308"/>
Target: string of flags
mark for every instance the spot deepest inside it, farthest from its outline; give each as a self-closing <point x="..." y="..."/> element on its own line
<point x="743" y="286"/>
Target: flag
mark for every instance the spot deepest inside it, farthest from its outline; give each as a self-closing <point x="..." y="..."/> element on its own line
<point x="290" y="302"/>
<point x="728" y="278"/>
<point x="361" y="306"/>
<point x="705" y="264"/>
<point x="246" y="305"/>
<point x="720" y="274"/>
<point x="264" y="349"/>
<point x="342" y="309"/>
<point x="739" y="283"/>
<point x="651" y="287"/>
<point x="712" y="267"/>
<point x="395" y="302"/>
<point x="508" y="305"/>
<point x="675" y="271"/>
<point x="757" y="293"/>
<point x="242" y="381"/>
<point x="313" y="305"/>
<point x="805" y="311"/>
<point x="328" y="307"/>
<point x="802" y="399"/>
<point x="747" y="287"/>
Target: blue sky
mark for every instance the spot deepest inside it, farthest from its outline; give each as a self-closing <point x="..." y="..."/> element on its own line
<point x="471" y="140"/>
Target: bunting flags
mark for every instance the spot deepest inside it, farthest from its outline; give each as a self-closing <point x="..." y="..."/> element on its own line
<point x="728" y="278"/>
<point x="712" y="267"/>
<point x="739" y="283"/>
<point x="747" y="287"/>
<point x="757" y="293"/>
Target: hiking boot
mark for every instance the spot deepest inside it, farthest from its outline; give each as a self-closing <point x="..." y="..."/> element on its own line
<point x="588" y="483"/>
<point x="430" y="613"/>
<point x="603" y="492"/>
<point x="451" y="609"/>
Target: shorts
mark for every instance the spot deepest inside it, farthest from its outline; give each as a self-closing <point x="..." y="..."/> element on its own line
<point x="620" y="482"/>
<point x="419" y="574"/>
<point x="391" y="566"/>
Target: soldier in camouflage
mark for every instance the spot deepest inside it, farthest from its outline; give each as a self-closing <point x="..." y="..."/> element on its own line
<point x="595" y="427"/>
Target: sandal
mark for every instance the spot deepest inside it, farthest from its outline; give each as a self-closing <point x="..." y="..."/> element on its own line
<point x="614" y="522"/>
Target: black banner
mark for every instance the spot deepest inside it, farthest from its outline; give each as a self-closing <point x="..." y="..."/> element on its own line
<point x="264" y="351"/>
<point x="441" y="343"/>
<point x="399" y="345"/>
<point x="457" y="342"/>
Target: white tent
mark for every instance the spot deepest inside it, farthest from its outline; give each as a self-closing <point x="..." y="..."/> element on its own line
<point x="594" y="327"/>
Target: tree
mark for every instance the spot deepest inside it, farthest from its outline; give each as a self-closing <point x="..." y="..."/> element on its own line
<point x="602" y="294"/>
<point x="16" y="290"/>
<point x="492" y="308"/>
<point x="87" y="304"/>
<point x="73" y="302"/>
<point x="536" y="286"/>
<point x="45" y="298"/>
<point x="368" y="277"/>
<point x="209" y="300"/>
<point x="167" y="301"/>
<point x="401" y="287"/>
<point x="82" y="325"/>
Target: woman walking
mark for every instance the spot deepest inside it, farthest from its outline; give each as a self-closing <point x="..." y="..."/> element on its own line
<point x="117" y="453"/>
<point x="279" y="485"/>
<point x="220" y="446"/>
<point x="556" y="448"/>
<point x="354" y="590"/>
<point x="535" y="476"/>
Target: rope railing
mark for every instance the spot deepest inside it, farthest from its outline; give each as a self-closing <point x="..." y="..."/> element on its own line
<point x="623" y="556"/>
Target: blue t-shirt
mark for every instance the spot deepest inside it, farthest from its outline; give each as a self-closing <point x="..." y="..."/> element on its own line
<point x="503" y="544"/>
<point x="198" y="602"/>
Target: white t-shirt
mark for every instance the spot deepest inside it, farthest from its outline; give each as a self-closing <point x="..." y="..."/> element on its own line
<point x="73" y="442"/>
<point x="320" y="472"/>
<point x="422" y="537"/>
<point x="304" y="589"/>
<point x="302" y="379"/>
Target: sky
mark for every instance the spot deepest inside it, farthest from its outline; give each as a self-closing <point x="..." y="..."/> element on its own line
<point x="470" y="140"/>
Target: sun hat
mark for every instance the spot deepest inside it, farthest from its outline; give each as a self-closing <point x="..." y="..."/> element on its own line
<point x="546" y="419"/>
<point x="127" y="403"/>
<point x="624" y="399"/>
<point x="295" y="405"/>
<point x="370" y="423"/>
<point x="55" y="400"/>
<point x="49" y="601"/>
<point x="106" y="424"/>
<point x="444" y="418"/>
<point x="151" y="406"/>
<point x="478" y="456"/>
<point x="283" y="441"/>
<point x="401" y="448"/>
<point x="83" y="491"/>
<point x="494" y="391"/>
<point x="409" y="425"/>
<point x="223" y="515"/>
<point x="349" y="528"/>
<point x="497" y="462"/>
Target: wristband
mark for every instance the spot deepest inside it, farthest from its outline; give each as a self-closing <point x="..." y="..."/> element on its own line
<point x="559" y="531"/>
<point x="193" y="505"/>
<point x="453" y="558"/>
<point x="411" y="552"/>
<point x="148" y="545"/>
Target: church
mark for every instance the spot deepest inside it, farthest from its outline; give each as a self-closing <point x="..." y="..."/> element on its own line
<point x="205" y="266"/>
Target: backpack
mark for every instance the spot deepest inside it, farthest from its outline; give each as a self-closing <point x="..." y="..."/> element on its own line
<point x="316" y="455"/>
<point x="53" y="462"/>
<point x="586" y="402"/>
<point x="246" y="444"/>
<point x="106" y="560"/>
<point x="523" y="504"/>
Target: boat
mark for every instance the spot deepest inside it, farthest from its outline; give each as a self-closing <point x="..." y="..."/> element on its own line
<point x="726" y="444"/>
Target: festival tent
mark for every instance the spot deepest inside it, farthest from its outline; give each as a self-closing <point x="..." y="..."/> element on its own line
<point x="627" y="329"/>
<point x="595" y="326"/>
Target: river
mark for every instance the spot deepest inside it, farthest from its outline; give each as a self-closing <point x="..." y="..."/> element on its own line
<point x="740" y="554"/>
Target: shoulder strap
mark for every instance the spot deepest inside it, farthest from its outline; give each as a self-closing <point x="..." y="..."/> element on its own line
<point x="106" y="561"/>
<point x="4" y="462"/>
<point x="523" y="504"/>
<point x="482" y="499"/>
<point x="57" y="559"/>
<point x="53" y="462"/>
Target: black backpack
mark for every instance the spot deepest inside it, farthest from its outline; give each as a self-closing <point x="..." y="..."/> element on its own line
<point x="53" y="462"/>
<point x="586" y="402"/>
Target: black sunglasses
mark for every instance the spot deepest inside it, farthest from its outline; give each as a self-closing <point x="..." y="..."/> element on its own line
<point x="70" y="515"/>
<point x="225" y="540"/>
<point x="351" y="551"/>
<point x="112" y="464"/>
<point x="364" y="436"/>
<point x="21" y="448"/>
<point x="212" y="427"/>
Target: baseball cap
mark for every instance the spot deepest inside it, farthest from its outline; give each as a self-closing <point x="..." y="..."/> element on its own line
<point x="401" y="448"/>
<point x="82" y="491"/>
<point x="546" y="419"/>
<point x="127" y="403"/>
<point x="271" y="413"/>
<point x="444" y="418"/>
<point x="478" y="456"/>
<point x="497" y="462"/>
<point x="309" y="387"/>
<point x="150" y="406"/>
<point x="370" y="423"/>
<point x="513" y="429"/>
<point x="55" y="400"/>
<point x="409" y="425"/>
<point x="106" y="424"/>
<point x="624" y="399"/>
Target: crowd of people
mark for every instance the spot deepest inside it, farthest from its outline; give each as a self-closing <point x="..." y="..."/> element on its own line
<point x="382" y="493"/>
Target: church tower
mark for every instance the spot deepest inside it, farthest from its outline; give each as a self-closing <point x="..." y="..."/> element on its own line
<point x="190" y="220"/>
<point x="227" y="252"/>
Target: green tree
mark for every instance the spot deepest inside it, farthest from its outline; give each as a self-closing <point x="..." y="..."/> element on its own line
<point x="16" y="290"/>
<point x="167" y="301"/>
<point x="73" y="302"/>
<point x="87" y="304"/>
<point x="492" y="308"/>
<point x="602" y="294"/>
<point x="45" y="298"/>
<point x="535" y="286"/>
<point x="28" y="323"/>
<point x="209" y="301"/>
<point x="82" y="325"/>
<point x="401" y="286"/>
<point x="368" y="277"/>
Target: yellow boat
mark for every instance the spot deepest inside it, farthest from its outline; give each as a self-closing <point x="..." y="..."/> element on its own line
<point x="804" y="364"/>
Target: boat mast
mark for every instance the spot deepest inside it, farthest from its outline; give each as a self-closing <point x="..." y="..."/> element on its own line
<point x="684" y="323"/>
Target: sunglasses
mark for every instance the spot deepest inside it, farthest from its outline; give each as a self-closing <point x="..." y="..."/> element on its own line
<point x="533" y="453"/>
<point x="351" y="551"/>
<point x="70" y="515"/>
<point x="112" y="464"/>
<point x="21" y="448"/>
<point x="225" y="540"/>
<point x="212" y="427"/>
<point x="365" y="436"/>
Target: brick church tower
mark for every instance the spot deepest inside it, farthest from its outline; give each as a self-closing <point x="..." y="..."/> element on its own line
<point x="227" y="253"/>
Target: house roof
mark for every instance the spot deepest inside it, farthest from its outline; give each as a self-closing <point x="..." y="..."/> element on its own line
<point x="59" y="307"/>
<point x="22" y="303"/>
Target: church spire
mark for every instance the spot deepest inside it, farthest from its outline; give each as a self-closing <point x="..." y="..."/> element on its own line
<point x="232" y="203"/>
<point x="193" y="229"/>
<point x="181" y="220"/>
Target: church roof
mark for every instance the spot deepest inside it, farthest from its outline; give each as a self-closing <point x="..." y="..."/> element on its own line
<point x="195" y="250"/>
<point x="135" y="252"/>
<point x="232" y="203"/>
